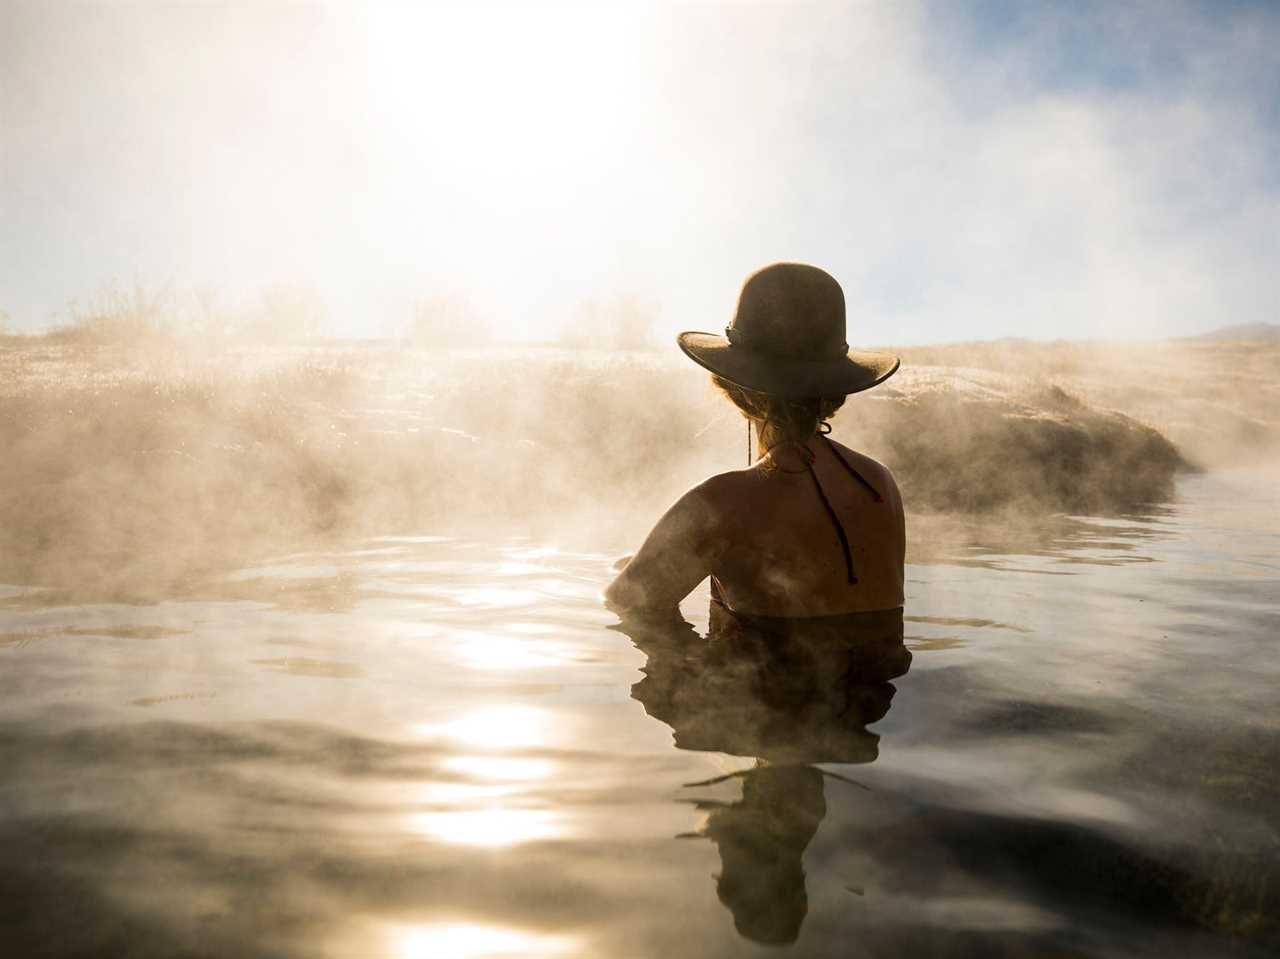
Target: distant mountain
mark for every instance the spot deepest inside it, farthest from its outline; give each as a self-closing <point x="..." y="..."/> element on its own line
<point x="1244" y="331"/>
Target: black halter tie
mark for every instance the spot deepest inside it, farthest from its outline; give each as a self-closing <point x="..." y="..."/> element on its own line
<point x="844" y="539"/>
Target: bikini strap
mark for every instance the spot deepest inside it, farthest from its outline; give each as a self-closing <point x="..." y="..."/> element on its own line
<point x="835" y="520"/>
<point x="844" y="540"/>
<point x="853" y="472"/>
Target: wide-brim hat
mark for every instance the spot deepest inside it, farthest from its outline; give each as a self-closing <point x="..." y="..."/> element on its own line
<point x="788" y="338"/>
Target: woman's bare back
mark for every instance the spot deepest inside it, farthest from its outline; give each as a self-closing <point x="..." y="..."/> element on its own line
<point x="786" y="557"/>
<point x="766" y="536"/>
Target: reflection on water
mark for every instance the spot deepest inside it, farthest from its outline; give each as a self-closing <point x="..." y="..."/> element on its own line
<point x="501" y="767"/>
<point x="497" y="727"/>
<point x="422" y="747"/>
<point x="761" y="839"/>
<point x="461" y="941"/>
<point x="803" y="693"/>
<point x="496" y="826"/>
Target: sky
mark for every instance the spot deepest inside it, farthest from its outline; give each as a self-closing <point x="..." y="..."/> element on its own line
<point x="965" y="170"/>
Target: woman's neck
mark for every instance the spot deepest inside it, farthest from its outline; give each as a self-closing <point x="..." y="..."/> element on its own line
<point x="788" y="455"/>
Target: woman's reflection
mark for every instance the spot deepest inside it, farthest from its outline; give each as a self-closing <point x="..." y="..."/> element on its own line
<point x="790" y="693"/>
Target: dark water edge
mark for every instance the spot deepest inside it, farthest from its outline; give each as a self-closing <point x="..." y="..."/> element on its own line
<point x="1083" y="760"/>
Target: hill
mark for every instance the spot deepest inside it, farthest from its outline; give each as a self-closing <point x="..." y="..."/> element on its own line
<point x="1244" y="331"/>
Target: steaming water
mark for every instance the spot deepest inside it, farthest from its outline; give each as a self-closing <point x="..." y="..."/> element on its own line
<point x="421" y="747"/>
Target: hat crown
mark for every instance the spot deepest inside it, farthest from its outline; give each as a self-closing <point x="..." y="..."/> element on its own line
<point x="791" y="310"/>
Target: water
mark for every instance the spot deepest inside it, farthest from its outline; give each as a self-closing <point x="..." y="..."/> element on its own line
<point x="421" y="747"/>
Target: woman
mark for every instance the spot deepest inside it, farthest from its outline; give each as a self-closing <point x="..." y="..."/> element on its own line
<point x="812" y="528"/>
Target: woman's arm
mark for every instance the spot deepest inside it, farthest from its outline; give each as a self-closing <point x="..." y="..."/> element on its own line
<point x="675" y="557"/>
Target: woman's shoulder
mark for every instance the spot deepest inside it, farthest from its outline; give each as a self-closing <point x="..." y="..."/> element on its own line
<point x="709" y="497"/>
<point x="718" y="499"/>
<point x="724" y="488"/>
<point x="713" y="495"/>
<point x="879" y="475"/>
<point x="862" y="462"/>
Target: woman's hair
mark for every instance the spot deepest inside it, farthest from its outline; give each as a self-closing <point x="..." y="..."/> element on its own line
<point x="786" y="419"/>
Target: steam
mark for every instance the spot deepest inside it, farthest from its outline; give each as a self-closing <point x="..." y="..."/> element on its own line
<point x="158" y="465"/>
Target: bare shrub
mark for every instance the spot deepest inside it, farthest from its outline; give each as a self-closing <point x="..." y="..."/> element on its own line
<point x="625" y="322"/>
<point x="119" y="314"/>
<point x="446" y="322"/>
<point x="284" y="313"/>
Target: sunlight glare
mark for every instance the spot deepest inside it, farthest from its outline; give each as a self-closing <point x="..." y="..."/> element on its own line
<point x="500" y="767"/>
<point x="495" y="652"/>
<point x="501" y="130"/>
<point x="473" y="941"/>
<point x="487" y="827"/>
<point x="532" y="628"/>
<point x="458" y="793"/>
<point x="494" y="727"/>
<point x="495" y="596"/>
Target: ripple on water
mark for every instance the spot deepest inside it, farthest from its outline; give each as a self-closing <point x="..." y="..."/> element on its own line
<point x="464" y="761"/>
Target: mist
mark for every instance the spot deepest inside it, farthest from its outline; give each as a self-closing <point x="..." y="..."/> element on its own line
<point x="140" y="461"/>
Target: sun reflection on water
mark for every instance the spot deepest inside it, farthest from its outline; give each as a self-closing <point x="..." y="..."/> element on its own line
<point x="500" y="767"/>
<point x="503" y="726"/>
<point x="501" y="652"/>
<point x="473" y="941"/>
<point x="532" y="628"/>
<point x="452" y="793"/>
<point x="503" y="820"/>
<point x="488" y="827"/>
<point x="494" y="596"/>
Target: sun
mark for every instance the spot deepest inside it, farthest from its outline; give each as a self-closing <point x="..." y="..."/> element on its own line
<point x="504" y="136"/>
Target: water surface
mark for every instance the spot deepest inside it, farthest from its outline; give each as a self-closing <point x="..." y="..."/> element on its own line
<point x="422" y="747"/>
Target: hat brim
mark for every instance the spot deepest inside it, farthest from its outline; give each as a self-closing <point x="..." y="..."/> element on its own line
<point x="854" y="372"/>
